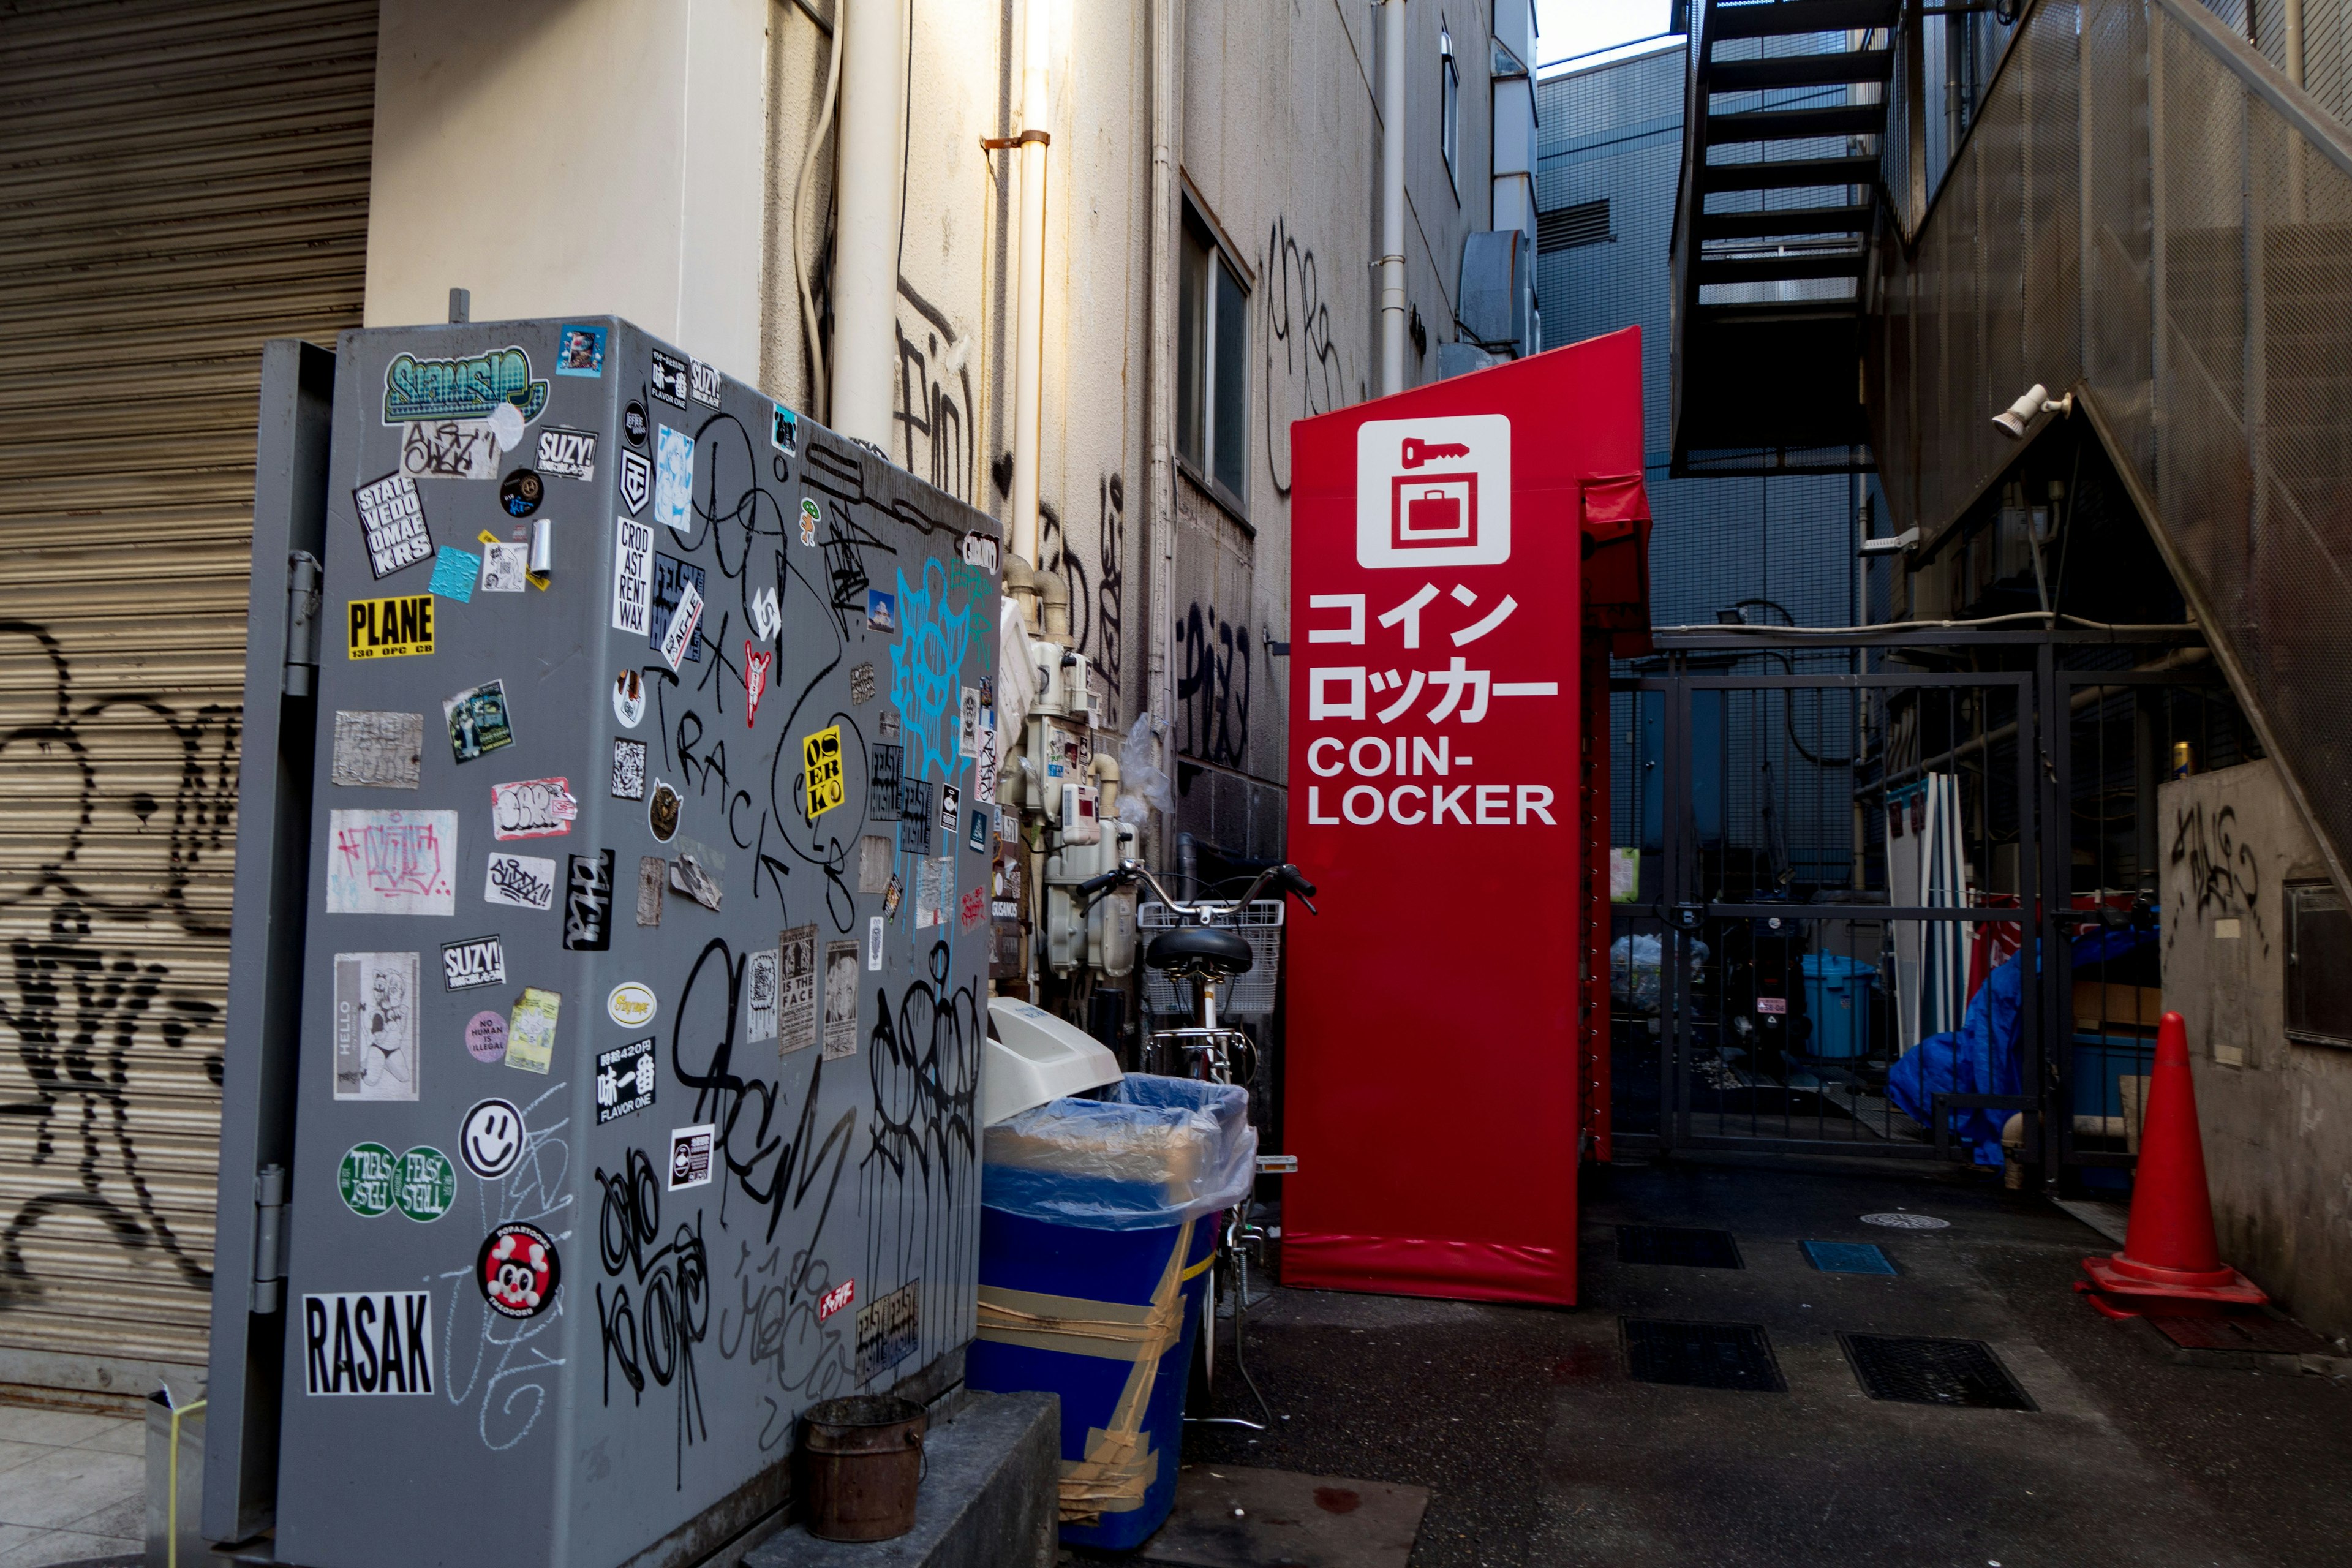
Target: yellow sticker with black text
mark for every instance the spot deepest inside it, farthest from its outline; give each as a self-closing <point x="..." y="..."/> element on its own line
<point x="390" y="628"/>
<point x="821" y="754"/>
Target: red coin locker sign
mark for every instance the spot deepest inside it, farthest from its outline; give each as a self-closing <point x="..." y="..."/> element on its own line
<point x="1429" y="1087"/>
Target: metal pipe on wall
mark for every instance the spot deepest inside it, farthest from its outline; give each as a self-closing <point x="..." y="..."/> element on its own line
<point x="865" y="251"/>
<point x="1029" y="286"/>
<point x="1160" y="539"/>
<point x="1393" y="297"/>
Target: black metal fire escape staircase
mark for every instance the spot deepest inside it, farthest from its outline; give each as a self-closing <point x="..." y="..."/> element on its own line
<point x="1787" y="101"/>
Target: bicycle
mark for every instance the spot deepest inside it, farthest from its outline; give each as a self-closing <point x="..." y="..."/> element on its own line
<point x="1205" y="953"/>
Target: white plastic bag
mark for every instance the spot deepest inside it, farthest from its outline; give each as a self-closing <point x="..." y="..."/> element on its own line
<point x="1142" y="786"/>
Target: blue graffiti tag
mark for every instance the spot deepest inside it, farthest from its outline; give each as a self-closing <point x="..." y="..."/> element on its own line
<point x="924" y="664"/>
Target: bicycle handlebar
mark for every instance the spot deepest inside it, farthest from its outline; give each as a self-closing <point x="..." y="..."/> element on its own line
<point x="1284" y="879"/>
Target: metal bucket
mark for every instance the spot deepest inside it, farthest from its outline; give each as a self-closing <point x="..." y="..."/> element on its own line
<point x="864" y="1457"/>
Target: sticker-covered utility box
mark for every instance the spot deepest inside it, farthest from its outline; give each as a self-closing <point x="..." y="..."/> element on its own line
<point x="646" y="951"/>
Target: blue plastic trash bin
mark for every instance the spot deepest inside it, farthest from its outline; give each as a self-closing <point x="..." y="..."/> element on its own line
<point x="1097" y="1221"/>
<point x="1837" y="999"/>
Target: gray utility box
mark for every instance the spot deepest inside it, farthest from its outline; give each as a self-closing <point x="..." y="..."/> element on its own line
<point x="644" y="954"/>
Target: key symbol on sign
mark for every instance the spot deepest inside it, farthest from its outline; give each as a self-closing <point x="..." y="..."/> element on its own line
<point x="1416" y="453"/>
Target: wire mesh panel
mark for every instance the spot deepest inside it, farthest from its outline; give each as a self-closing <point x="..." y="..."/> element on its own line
<point x="1246" y="996"/>
<point x="2203" y="207"/>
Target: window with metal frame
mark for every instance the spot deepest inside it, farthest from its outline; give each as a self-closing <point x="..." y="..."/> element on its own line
<point x="1449" y="100"/>
<point x="1212" y="365"/>
<point x="2318" y="965"/>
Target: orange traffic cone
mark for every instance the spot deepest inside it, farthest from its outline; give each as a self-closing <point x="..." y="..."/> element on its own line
<point x="2170" y="1252"/>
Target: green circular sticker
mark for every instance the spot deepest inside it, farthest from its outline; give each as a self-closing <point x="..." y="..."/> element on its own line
<point x="428" y="1183"/>
<point x="421" y="1183"/>
<point x="370" y="1173"/>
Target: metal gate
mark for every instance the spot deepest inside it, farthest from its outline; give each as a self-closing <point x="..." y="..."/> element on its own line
<point x="1825" y="854"/>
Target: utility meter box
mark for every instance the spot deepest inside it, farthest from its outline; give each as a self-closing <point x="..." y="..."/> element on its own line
<point x="644" y="954"/>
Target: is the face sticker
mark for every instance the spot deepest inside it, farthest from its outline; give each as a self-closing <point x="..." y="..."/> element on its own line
<point x="629" y="698"/>
<point x="519" y="1270"/>
<point x="490" y="1140"/>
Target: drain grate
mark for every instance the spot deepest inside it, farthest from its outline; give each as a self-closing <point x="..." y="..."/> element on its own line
<point x="2271" y="1334"/>
<point x="1702" y="1355"/>
<point x="1674" y="1245"/>
<point x="1933" y="1372"/>
<point x="1847" y="1258"/>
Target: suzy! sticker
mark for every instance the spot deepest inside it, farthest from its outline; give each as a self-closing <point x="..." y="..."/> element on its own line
<point x="519" y="1270"/>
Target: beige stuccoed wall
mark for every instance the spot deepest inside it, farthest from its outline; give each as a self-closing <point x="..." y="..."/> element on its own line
<point x="564" y="157"/>
<point x="2276" y="1115"/>
<point x="641" y="156"/>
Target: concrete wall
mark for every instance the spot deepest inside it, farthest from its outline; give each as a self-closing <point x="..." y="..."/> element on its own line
<point x="2277" y="1115"/>
<point x="644" y="157"/>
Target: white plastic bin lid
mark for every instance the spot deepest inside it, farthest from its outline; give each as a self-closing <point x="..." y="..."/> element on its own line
<point x="1033" y="1057"/>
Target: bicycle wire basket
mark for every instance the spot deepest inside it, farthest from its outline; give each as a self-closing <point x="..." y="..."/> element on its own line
<point x="1249" y="995"/>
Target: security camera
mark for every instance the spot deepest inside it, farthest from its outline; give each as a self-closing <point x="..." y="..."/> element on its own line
<point x="1893" y="545"/>
<point x="2036" y="402"/>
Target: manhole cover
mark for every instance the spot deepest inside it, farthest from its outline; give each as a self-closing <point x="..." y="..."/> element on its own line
<point x="1702" y="1355"/>
<point x="1904" y="1220"/>
<point x="1846" y="1257"/>
<point x="1933" y="1372"/>
<point x="1676" y="1245"/>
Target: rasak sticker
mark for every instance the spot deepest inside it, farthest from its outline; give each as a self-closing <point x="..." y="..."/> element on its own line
<point x="389" y="629"/>
<point x="478" y="721"/>
<point x="624" y="1080"/>
<point x="821" y="758"/>
<point x="469" y="388"/>
<point x="631" y="1003"/>
<point x="375" y="1025"/>
<point x="689" y="1156"/>
<point x="372" y="1342"/>
<point x="519" y="1270"/>
<point x="588" y="903"/>
<point x="422" y="1183"/>
<point x="391" y="862"/>
<point x="391" y="519"/>
<point x="520" y="881"/>
<point x="568" y="454"/>
<point x="532" y="808"/>
<point x="466" y="964"/>
<point x="490" y="1140"/>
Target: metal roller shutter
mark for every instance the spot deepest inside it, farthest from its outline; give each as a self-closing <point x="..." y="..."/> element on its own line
<point x="178" y="182"/>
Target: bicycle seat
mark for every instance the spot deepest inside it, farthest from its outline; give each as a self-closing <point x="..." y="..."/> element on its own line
<point x="1200" y="950"/>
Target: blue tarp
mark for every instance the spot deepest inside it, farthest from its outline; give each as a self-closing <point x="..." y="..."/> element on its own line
<point x="1981" y="1057"/>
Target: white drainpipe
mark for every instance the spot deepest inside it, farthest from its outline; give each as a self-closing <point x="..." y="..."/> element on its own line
<point x="866" y="245"/>
<point x="1160" y="531"/>
<point x="1029" y="293"/>
<point x="1393" y="301"/>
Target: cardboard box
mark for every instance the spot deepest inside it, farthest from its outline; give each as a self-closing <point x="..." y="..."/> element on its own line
<point x="2100" y="1006"/>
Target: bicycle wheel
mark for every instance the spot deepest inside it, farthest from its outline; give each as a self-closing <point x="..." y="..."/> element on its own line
<point x="1200" y="1379"/>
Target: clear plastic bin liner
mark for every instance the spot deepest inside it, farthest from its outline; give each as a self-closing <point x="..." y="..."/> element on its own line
<point x="1154" y="1152"/>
